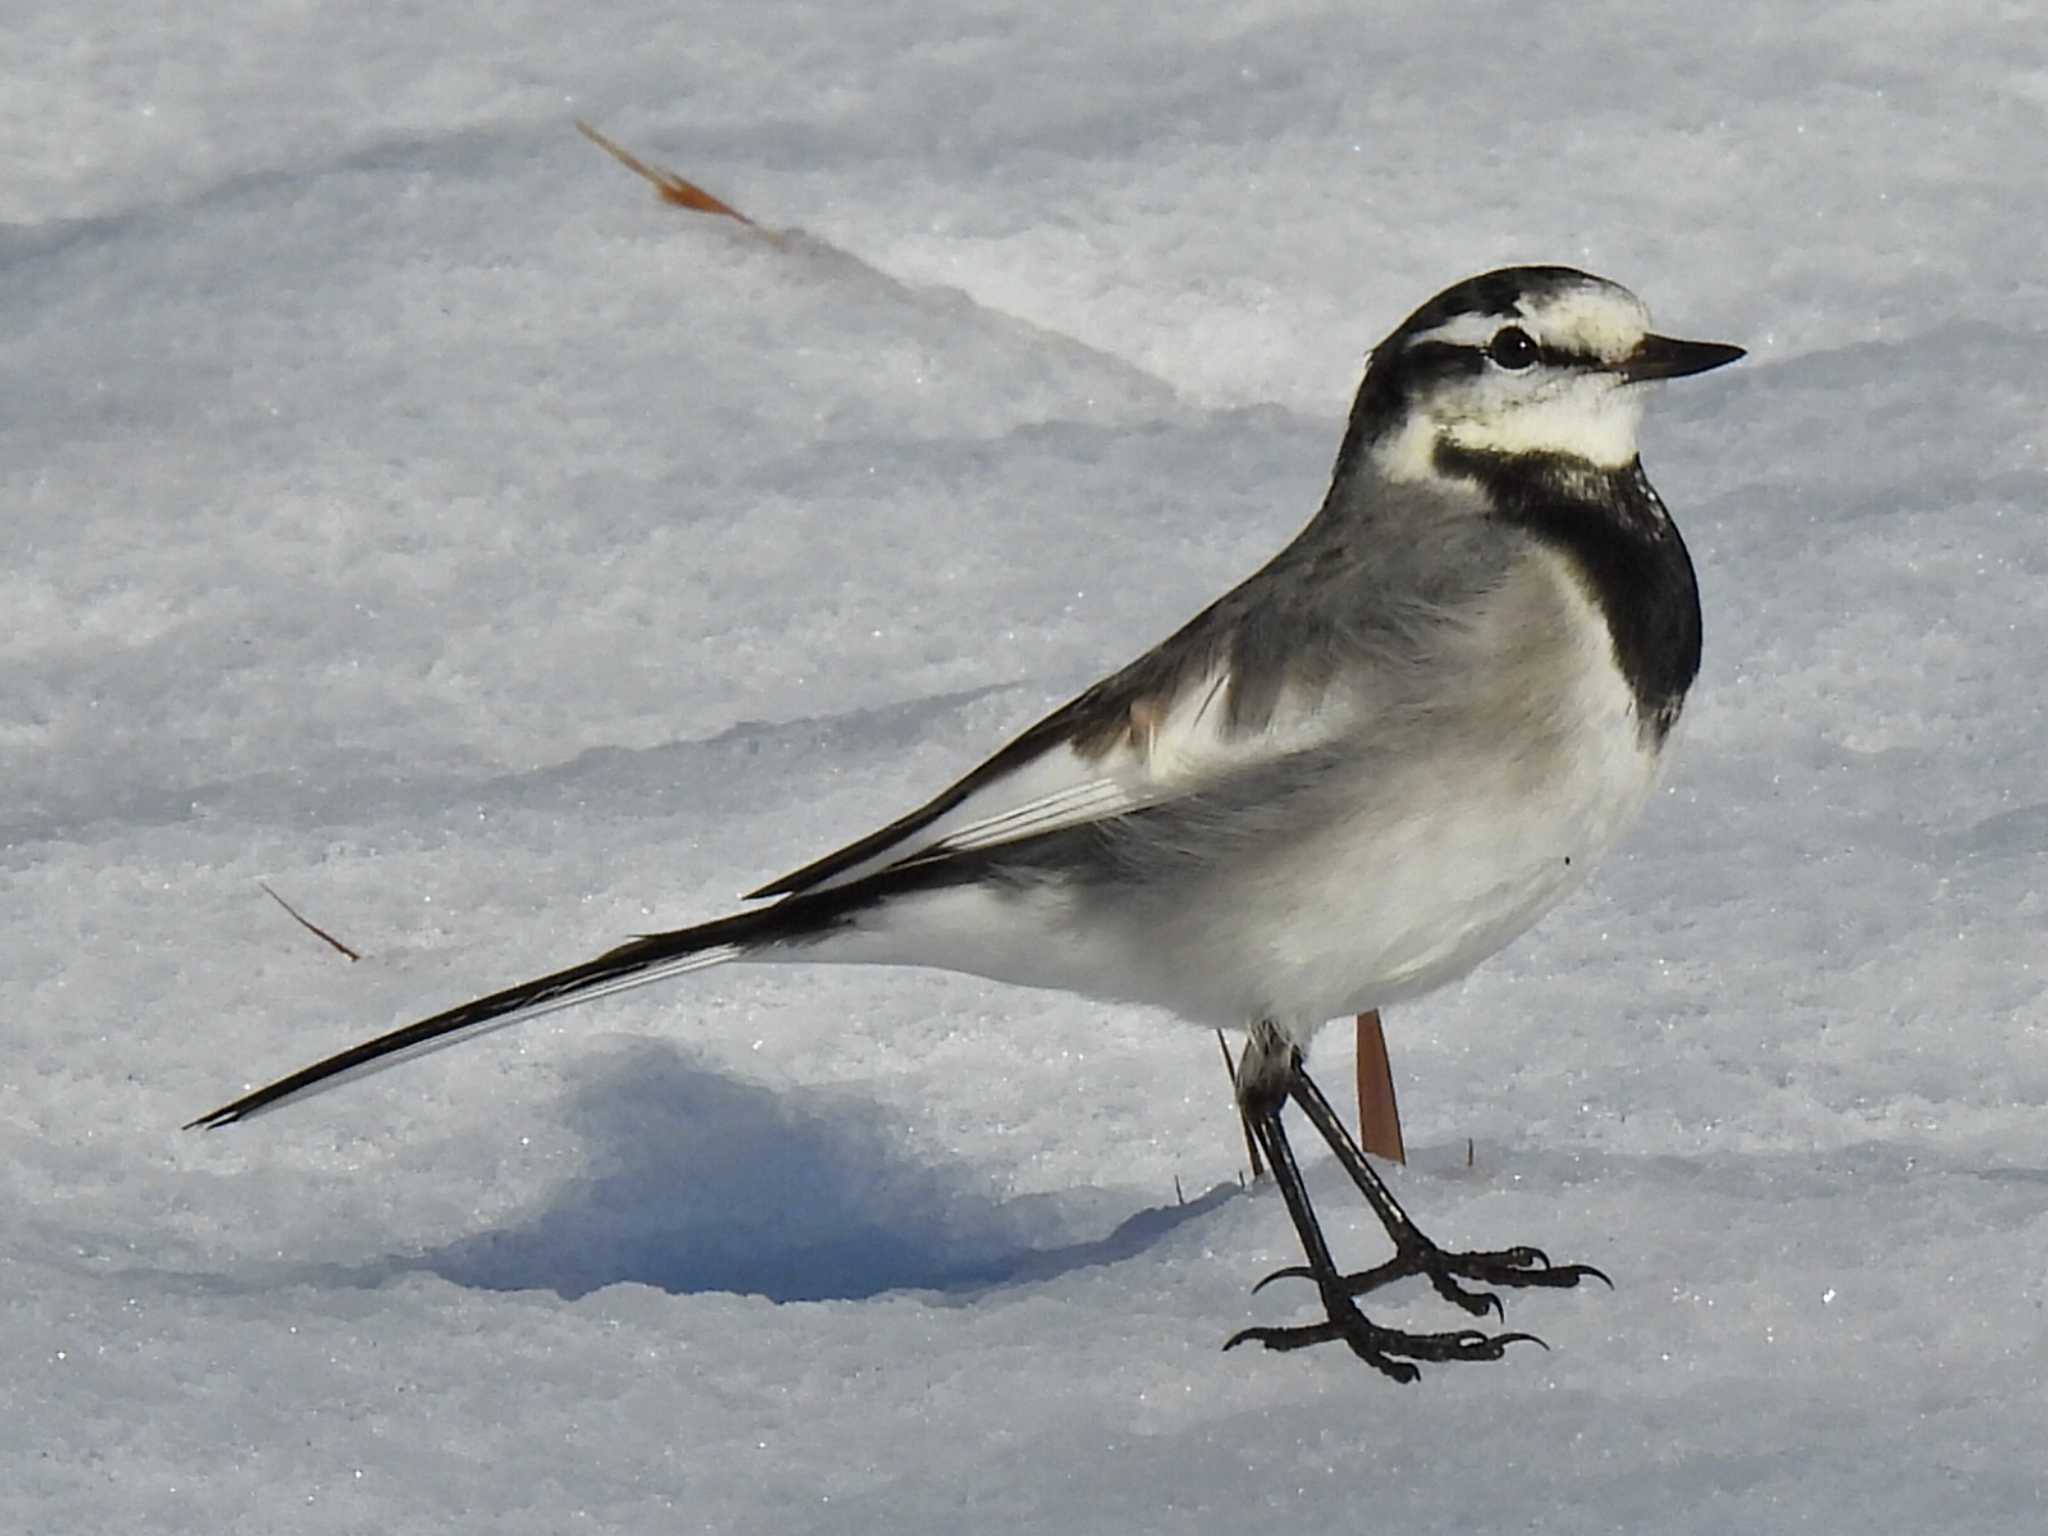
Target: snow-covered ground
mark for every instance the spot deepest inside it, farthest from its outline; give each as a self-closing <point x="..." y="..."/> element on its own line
<point x="403" y="508"/>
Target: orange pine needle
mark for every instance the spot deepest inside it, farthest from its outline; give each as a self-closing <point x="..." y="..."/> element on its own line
<point x="673" y="188"/>
<point x="1379" y="1116"/>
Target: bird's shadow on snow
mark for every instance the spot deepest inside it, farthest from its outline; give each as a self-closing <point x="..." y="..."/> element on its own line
<point x="700" y="1182"/>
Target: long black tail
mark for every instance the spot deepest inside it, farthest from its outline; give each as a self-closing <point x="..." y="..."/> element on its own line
<point x="649" y="958"/>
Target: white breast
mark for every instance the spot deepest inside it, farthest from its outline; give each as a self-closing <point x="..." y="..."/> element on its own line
<point x="1468" y="844"/>
<point x="1474" y="820"/>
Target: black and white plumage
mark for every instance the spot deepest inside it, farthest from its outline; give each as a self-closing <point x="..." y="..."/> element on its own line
<point x="1346" y="782"/>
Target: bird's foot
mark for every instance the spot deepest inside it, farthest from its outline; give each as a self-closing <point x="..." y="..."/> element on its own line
<point x="1387" y="1350"/>
<point x="1503" y="1267"/>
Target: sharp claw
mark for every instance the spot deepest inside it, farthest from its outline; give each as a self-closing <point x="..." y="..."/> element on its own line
<point x="1521" y="1257"/>
<point x="1299" y="1336"/>
<point x="1478" y="1303"/>
<point x="1291" y="1272"/>
<point x="1561" y="1276"/>
<point x="1489" y="1346"/>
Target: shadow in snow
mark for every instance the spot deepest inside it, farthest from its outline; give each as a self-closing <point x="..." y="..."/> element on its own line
<point x="703" y="1183"/>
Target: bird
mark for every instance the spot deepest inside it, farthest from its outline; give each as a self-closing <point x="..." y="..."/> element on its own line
<point x="1345" y="783"/>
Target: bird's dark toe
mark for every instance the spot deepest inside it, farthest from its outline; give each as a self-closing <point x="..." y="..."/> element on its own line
<point x="1291" y="1272"/>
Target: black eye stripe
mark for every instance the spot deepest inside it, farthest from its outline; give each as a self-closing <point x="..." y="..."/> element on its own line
<point x="1449" y="357"/>
<point x="1441" y="360"/>
<point x="1559" y="357"/>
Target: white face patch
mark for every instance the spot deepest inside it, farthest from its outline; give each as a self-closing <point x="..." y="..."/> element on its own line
<point x="1592" y="416"/>
<point x="1596" y="317"/>
<point x="1464" y="331"/>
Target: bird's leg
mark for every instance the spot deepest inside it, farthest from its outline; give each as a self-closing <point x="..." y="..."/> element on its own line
<point x="1269" y="1073"/>
<point x="1415" y="1254"/>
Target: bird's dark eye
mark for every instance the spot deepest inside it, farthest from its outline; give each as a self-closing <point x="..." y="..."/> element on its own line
<point x="1511" y="347"/>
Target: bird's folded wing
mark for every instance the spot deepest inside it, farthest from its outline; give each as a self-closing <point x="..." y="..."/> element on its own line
<point x="1118" y="748"/>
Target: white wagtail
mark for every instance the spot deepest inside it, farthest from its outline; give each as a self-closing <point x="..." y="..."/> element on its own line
<point x="1345" y="783"/>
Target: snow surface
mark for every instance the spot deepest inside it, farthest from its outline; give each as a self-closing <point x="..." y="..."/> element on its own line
<point x="406" y="509"/>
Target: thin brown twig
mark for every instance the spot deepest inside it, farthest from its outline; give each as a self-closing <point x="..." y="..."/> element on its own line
<point x="306" y="923"/>
<point x="1251" y="1144"/>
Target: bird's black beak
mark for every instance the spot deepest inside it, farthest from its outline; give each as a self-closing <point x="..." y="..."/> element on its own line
<point x="1666" y="357"/>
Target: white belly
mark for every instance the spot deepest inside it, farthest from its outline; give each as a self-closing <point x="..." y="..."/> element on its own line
<point x="1457" y="850"/>
<point x="1389" y="910"/>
